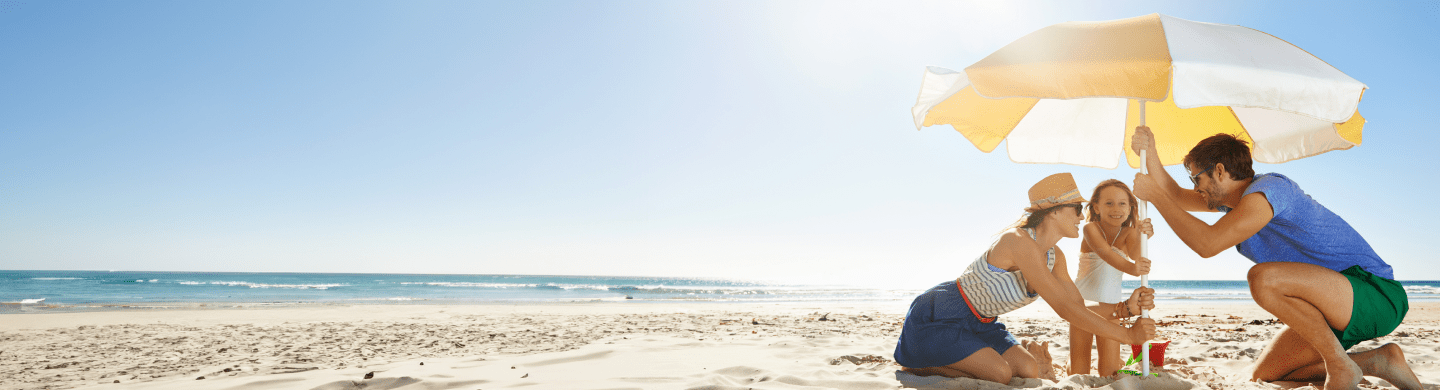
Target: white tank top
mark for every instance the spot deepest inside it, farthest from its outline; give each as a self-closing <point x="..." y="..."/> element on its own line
<point x="1097" y="280"/>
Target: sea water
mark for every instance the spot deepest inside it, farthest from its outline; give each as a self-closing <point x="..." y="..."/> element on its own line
<point x="101" y="290"/>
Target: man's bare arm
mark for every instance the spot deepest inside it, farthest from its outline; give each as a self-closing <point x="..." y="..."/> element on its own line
<point x="1187" y="199"/>
<point x="1244" y="221"/>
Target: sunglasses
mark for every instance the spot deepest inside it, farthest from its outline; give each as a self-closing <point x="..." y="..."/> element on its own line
<point x="1194" y="179"/>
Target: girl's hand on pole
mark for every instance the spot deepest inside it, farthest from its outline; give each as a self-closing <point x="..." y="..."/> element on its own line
<point x="1142" y="266"/>
<point x="1147" y="228"/>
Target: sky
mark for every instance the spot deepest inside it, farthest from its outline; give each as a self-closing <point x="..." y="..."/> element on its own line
<point x="767" y="140"/>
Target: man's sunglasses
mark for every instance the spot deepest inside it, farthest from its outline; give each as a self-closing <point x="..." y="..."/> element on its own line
<point x="1194" y="179"/>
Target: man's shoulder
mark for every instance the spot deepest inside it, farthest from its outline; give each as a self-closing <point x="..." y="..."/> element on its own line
<point x="1271" y="177"/>
<point x="1269" y="182"/>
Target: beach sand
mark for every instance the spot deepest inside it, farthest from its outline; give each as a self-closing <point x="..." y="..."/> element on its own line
<point x="615" y="345"/>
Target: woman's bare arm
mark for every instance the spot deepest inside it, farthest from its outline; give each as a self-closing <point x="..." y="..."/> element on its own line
<point x="1063" y="297"/>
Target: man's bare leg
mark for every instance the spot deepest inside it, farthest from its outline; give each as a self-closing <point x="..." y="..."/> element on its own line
<point x="1387" y="362"/>
<point x="1312" y="300"/>
<point x="1289" y="358"/>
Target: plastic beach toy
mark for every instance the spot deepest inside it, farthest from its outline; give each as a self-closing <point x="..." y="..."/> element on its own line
<point x="1157" y="353"/>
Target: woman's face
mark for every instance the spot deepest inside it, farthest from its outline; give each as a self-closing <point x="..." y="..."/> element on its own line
<point x="1113" y="207"/>
<point x="1067" y="220"/>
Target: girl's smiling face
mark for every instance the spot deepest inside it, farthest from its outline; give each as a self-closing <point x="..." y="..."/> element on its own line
<point x="1113" y="206"/>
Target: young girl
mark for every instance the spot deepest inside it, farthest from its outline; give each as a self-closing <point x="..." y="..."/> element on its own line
<point x="952" y="329"/>
<point x="1111" y="233"/>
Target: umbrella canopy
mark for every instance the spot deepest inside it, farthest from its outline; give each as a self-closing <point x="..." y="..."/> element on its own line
<point x="1071" y="93"/>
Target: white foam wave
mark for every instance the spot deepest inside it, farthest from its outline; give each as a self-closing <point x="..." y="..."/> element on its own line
<point x="265" y="285"/>
<point x="579" y="286"/>
<point x="1204" y="297"/>
<point x="469" y="284"/>
<point x="1422" y="289"/>
<point x="395" y="299"/>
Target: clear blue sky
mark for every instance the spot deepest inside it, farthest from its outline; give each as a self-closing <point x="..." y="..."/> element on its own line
<point x="752" y="139"/>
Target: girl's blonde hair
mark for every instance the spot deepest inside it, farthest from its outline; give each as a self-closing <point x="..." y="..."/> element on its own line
<point x="1093" y="215"/>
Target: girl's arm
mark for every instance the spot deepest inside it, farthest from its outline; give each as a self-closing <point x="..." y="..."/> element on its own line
<point x="1097" y="243"/>
<point x="1063" y="297"/>
<point x="1131" y="240"/>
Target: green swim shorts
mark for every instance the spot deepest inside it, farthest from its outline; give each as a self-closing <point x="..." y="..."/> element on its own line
<point x="1380" y="305"/>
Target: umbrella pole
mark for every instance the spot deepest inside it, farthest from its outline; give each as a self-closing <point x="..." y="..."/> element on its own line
<point x="1144" y="252"/>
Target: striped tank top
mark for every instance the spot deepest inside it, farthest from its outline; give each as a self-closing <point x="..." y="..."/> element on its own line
<point x="992" y="293"/>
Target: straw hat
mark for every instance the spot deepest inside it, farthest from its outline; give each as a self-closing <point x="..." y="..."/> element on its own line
<point x="1054" y="190"/>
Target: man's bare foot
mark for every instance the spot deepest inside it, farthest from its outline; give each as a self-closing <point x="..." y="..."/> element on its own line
<point x="1388" y="363"/>
<point x="1041" y="352"/>
<point x="1342" y="375"/>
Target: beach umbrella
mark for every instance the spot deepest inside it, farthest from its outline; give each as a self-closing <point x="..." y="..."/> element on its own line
<point x="1073" y="93"/>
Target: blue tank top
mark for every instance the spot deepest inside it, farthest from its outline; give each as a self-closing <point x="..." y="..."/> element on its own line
<point x="1303" y="231"/>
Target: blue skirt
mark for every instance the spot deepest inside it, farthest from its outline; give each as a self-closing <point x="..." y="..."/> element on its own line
<point x="941" y="329"/>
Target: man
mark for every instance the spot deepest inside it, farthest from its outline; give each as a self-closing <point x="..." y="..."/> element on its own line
<point x="1313" y="271"/>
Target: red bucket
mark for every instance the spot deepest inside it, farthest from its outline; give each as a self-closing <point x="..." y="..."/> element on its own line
<point x="1157" y="353"/>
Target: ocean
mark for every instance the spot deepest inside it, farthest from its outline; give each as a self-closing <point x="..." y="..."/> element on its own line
<point x="46" y="291"/>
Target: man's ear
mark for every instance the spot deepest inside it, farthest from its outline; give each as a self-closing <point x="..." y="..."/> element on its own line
<point x="1220" y="172"/>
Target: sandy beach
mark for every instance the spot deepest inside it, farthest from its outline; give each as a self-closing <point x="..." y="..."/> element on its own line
<point x="591" y="346"/>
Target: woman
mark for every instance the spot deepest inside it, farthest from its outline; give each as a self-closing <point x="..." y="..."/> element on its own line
<point x="951" y="330"/>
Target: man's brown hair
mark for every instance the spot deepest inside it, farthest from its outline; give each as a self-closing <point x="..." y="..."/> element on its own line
<point x="1222" y="149"/>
